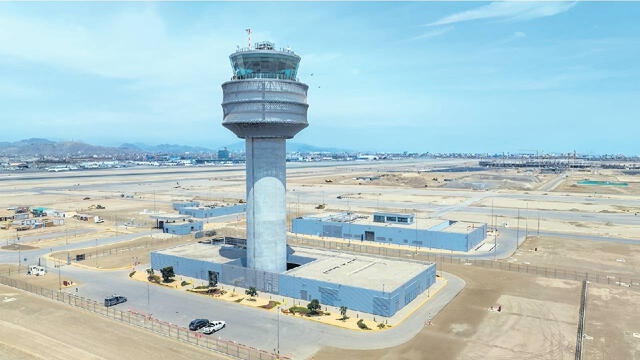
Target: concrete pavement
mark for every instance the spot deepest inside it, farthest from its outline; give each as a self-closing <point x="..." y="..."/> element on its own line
<point x="249" y="326"/>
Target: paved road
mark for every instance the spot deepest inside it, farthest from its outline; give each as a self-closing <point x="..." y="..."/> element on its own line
<point x="32" y="256"/>
<point x="253" y="327"/>
<point x="81" y="231"/>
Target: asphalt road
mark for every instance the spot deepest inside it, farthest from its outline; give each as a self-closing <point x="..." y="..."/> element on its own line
<point x="30" y="257"/>
<point x="249" y="326"/>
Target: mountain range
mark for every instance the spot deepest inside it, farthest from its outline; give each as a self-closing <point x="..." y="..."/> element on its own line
<point x="45" y="147"/>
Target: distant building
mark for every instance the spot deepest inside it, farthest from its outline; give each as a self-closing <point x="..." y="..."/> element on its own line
<point x="401" y="229"/>
<point x="223" y="154"/>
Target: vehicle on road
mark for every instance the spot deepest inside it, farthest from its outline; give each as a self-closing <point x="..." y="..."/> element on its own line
<point x="36" y="270"/>
<point x="198" y="324"/>
<point x="213" y="327"/>
<point x="114" y="300"/>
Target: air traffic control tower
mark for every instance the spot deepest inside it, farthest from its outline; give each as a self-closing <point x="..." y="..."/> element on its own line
<point x="265" y="104"/>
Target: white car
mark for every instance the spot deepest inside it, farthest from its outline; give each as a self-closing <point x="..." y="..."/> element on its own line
<point x="213" y="327"/>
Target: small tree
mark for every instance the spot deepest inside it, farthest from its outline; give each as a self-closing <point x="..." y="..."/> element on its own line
<point x="252" y="292"/>
<point x="314" y="307"/>
<point x="167" y="274"/>
<point x="149" y="273"/>
<point x="343" y="312"/>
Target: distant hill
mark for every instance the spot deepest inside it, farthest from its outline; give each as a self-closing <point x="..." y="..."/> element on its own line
<point x="166" y="148"/>
<point x="44" y="147"/>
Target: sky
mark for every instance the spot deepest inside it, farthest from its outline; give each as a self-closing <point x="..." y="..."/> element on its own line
<point x="485" y="77"/>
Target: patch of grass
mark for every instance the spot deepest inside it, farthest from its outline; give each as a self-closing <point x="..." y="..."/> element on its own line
<point x="362" y="325"/>
<point x="239" y="300"/>
<point x="132" y="273"/>
<point x="299" y="310"/>
<point x="344" y="318"/>
<point x="381" y="326"/>
<point x="201" y="287"/>
<point x="270" y="305"/>
<point x="184" y="283"/>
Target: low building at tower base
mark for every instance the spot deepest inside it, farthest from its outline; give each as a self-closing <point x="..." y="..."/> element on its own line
<point x="373" y="285"/>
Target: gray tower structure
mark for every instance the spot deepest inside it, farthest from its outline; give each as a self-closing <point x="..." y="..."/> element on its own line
<point x="265" y="104"/>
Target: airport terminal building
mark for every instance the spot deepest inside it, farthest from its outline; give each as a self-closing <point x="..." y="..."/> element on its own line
<point x="400" y="229"/>
<point x="362" y="283"/>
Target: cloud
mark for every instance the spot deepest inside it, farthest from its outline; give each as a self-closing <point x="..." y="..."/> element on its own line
<point x="118" y="47"/>
<point x="432" y="33"/>
<point x="512" y="11"/>
<point x="513" y="37"/>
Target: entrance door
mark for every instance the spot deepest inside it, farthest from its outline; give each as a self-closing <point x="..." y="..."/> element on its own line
<point x="369" y="235"/>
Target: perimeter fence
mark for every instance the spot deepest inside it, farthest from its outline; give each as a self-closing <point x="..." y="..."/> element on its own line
<point x="443" y="259"/>
<point x="147" y="322"/>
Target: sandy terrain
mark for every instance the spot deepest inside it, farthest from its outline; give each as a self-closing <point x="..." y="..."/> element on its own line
<point x="124" y="253"/>
<point x="48" y="281"/>
<point x="612" y="323"/>
<point x="35" y="328"/>
<point x="572" y="227"/>
<point x="581" y="255"/>
<point x="555" y="205"/>
<point x="537" y="321"/>
<point x="571" y="183"/>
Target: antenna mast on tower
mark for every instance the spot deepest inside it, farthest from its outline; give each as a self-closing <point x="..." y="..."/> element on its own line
<point x="248" y="30"/>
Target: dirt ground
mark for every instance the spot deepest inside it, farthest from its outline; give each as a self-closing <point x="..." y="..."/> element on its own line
<point x="612" y="323"/>
<point x="571" y="183"/>
<point x="48" y="281"/>
<point x="581" y="255"/>
<point x="555" y="205"/>
<point x="513" y="179"/>
<point x="530" y="224"/>
<point x="125" y="253"/>
<point x="538" y="321"/>
<point x="35" y="328"/>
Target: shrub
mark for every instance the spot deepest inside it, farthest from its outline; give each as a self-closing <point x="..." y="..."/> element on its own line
<point x="184" y="283"/>
<point x="167" y="274"/>
<point x="362" y="325"/>
<point x="154" y="278"/>
<point x="252" y="292"/>
<point x="200" y="287"/>
<point x="343" y="312"/>
<point x="381" y="326"/>
<point x="132" y="273"/>
<point x="314" y="307"/>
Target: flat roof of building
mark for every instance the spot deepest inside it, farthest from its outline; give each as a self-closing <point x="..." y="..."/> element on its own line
<point x="346" y="269"/>
<point x="170" y="217"/>
<point x="356" y="270"/>
<point x="419" y="223"/>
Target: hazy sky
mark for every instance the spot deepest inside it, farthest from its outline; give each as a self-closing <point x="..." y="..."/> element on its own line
<point x="438" y="77"/>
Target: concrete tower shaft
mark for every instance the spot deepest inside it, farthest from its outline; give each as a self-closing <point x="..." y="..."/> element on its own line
<point x="265" y="104"/>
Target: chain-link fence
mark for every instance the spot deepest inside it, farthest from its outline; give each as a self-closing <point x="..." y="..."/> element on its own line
<point x="145" y="321"/>
<point x="110" y="250"/>
<point x="443" y="259"/>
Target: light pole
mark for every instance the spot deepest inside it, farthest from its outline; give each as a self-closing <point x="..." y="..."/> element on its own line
<point x="278" y="336"/>
<point x="18" y="246"/>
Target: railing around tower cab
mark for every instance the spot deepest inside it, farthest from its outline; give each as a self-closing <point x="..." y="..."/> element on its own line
<point x="277" y="76"/>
